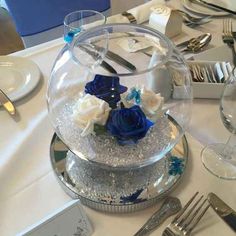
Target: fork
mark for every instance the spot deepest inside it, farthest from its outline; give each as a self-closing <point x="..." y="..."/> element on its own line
<point x="193" y="21"/>
<point x="185" y="221"/>
<point x="193" y="18"/>
<point x="228" y="38"/>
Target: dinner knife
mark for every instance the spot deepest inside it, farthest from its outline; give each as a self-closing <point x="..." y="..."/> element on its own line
<point x="212" y="5"/>
<point x="223" y="210"/>
<point x="7" y="103"/>
<point x="120" y="60"/>
<point x="104" y="64"/>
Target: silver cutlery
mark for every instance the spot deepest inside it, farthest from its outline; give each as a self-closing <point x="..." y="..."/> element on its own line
<point x="186" y="221"/>
<point x="225" y="212"/>
<point x="94" y="52"/>
<point x="120" y="60"/>
<point x="197" y="46"/>
<point x="200" y="38"/>
<point x="193" y="21"/>
<point x="170" y="207"/>
<point x="192" y="18"/>
<point x="196" y="23"/>
<point x="213" y="6"/>
<point x="7" y="104"/>
<point x="228" y="38"/>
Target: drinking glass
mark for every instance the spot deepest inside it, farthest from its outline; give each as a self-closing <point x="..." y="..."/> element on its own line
<point x="220" y="158"/>
<point x="78" y="21"/>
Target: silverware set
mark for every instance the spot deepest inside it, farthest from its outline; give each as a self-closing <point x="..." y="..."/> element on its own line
<point x="195" y="45"/>
<point x="189" y="216"/>
<point x="210" y="73"/>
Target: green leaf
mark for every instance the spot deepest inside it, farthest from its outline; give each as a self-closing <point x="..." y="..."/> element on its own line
<point x="99" y="129"/>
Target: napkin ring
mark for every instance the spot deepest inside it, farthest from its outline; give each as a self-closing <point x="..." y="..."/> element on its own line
<point x="130" y="17"/>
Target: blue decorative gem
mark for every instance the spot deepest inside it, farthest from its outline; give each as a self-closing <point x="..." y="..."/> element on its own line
<point x="132" y="198"/>
<point x="69" y="37"/>
<point x="176" y="165"/>
<point x="134" y="94"/>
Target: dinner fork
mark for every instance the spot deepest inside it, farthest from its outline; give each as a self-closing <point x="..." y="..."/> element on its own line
<point x="193" y="21"/>
<point x="185" y="221"/>
<point x="228" y="38"/>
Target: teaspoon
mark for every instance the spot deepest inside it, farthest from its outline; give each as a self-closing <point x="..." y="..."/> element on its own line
<point x="196" y="46"/>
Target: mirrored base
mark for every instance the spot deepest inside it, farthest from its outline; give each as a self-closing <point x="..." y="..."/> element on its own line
<point x="117" y="190"/>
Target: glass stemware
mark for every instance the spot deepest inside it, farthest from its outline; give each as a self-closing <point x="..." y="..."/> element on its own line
<point x="220" y="158"/>
<point x="78" y="21"/>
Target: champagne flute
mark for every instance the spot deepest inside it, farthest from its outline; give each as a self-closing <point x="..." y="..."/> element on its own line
<point x="220" y="158"/>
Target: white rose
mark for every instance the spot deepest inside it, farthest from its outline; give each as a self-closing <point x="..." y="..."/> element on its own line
<point x="90" y="110"/>
<point x="150" y="102"/>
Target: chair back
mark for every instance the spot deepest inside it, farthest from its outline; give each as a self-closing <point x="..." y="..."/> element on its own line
<point x="42" y="20"/>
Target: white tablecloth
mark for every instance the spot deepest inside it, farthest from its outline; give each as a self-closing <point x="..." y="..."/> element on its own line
<point x="29" y="190"/>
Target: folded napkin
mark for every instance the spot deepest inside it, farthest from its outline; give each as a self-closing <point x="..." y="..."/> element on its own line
<point x="141" y="13"/>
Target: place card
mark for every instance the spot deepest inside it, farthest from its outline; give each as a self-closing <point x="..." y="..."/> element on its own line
<point x="70" y="220"/>
<point x="166" y="20"/>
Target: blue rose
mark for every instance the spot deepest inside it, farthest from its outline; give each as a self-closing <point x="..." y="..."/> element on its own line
<point x="128" y="125"/>
<point x="106" y="88"/>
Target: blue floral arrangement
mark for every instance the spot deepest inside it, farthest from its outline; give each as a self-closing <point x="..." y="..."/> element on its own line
<point x="109" y="107"/>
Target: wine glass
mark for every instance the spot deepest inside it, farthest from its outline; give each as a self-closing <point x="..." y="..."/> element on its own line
<point x="220" y="158"/>
<point x="78" y="21"/>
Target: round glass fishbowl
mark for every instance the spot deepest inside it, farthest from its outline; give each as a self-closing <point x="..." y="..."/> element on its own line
<point x="119" y="98"/>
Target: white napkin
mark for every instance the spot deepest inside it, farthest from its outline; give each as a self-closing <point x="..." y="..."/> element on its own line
<point x="141" y="13"/>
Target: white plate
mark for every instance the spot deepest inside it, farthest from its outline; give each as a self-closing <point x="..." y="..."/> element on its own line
<point x="197" y="8"/>
<point x="18" y="76"/>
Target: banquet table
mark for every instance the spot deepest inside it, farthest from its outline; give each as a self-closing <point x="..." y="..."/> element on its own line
<point x="30" y="191"/>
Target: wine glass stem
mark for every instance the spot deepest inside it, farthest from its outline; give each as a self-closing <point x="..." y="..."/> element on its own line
<point x="228" y="152"/>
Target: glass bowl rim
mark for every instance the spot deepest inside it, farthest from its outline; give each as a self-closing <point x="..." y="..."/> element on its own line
<point x="152" y="32"/>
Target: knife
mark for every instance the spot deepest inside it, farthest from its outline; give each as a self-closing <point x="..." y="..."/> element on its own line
<point x="223" y="210"/>
<point x="104" y="64"/>
<point x="120" y="60"/>
<point x="217" y="7"/>
<point x="7" y="103"/>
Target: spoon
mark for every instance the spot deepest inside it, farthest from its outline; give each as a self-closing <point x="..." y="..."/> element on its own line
<point x="193" y="40"/>
<point x="196" y="46"/>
